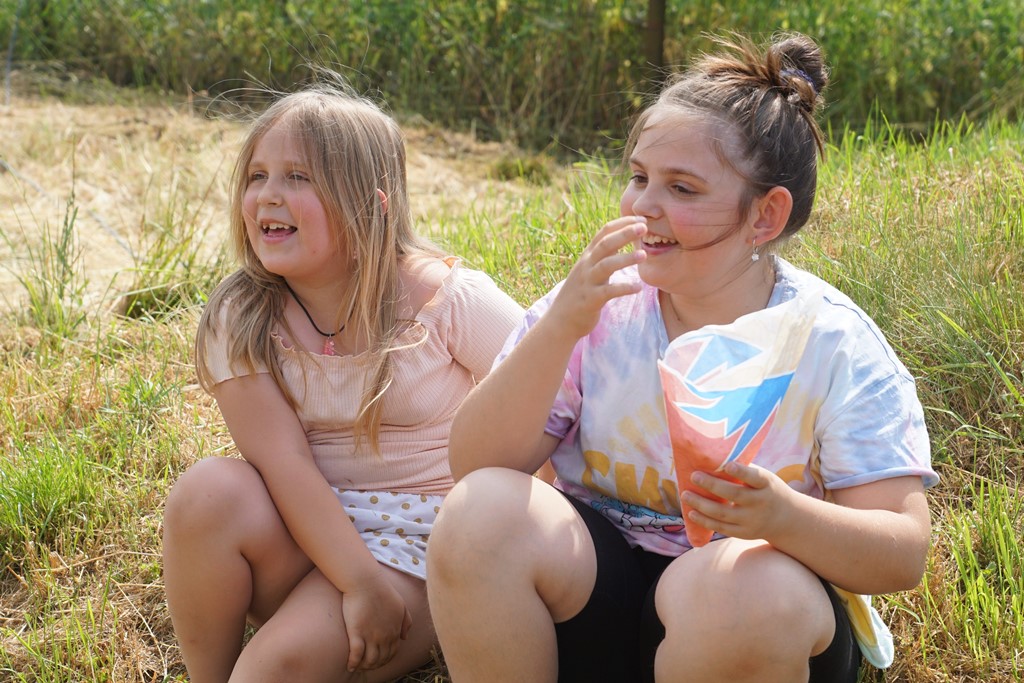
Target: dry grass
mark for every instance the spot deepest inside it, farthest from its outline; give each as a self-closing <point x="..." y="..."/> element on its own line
<point x="96" y="425"/>
<point x="138" y="169"/>
<point x="93" y="605"/>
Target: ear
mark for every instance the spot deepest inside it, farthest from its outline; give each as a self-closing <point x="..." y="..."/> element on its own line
<point x="771" y="212"/>
<point x="383" y="200"/>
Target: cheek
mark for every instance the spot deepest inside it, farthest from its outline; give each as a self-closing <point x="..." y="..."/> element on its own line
<point x="249" y="206"/>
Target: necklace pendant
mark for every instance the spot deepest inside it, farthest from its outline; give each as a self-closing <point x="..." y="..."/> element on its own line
<point x="328" y="347"/>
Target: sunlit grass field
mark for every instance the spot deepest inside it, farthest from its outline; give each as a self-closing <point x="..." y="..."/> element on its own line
<point x="100" y="412"/>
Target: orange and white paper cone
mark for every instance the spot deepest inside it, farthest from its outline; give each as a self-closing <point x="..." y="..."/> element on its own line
<point x="723" y="385"/>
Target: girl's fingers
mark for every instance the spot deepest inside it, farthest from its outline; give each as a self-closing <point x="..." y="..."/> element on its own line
<point x="617" y="234"/>
<point x="615" y="262"/>
<point x="618" y="289"/>
<point x="356" y="649"/>
<point x="605" y="254"/>
<point x="752" y="475"/>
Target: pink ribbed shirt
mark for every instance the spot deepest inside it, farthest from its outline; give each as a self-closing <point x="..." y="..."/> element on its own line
<point x="463" y="327"/>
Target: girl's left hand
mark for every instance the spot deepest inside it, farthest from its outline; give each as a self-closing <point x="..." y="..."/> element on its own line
<point x="755" y="509"/>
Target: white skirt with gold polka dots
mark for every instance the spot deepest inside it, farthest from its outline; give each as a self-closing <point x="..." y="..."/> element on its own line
<point x="394" y="526"/>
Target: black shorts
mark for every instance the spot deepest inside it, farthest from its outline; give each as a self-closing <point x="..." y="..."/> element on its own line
<point x="615" y="636"/>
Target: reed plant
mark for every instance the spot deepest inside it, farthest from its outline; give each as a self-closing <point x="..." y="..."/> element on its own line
<point x="557" y="75"/>
<point x="925" y="235"/>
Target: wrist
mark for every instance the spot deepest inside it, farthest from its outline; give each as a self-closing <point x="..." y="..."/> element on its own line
<point x="365" y="580"/>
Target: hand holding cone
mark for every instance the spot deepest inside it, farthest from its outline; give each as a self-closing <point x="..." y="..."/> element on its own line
<point x="723" y="386"/>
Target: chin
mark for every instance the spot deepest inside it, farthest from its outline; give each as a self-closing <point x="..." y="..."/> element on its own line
<point x="653" y="275"/>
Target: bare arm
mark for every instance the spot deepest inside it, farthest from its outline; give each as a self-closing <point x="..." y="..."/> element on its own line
<point x="270" y="437"/>
<point x="872" y="540"/>
<point x="501" y="423"/>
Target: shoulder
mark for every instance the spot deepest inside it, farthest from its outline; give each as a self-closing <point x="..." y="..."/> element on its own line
<point x="229" y="300"/>
<point x="836" y="314"/>
<point x="421" y="277"/>
<point x="459" y="294"/>
<point x="218" y="315"/>
<point x="844" y="338"/>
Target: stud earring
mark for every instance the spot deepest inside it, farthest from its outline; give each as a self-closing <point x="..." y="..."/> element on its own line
<point x="755" y="256"/>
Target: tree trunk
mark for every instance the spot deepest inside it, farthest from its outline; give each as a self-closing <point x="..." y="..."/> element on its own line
<point x="654" y="43"/>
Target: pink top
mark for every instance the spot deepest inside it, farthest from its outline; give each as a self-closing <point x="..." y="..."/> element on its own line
<point x="462" y="329"/>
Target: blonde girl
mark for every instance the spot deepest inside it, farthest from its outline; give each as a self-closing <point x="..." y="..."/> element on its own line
<point x="337" y="355"/>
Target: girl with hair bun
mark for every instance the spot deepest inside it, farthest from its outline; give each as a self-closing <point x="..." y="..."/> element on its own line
<point x="739" y="457"/>
<point x="337" y="354"/>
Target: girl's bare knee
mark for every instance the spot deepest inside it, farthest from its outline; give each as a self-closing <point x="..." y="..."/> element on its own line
<point x="291" y="654"/>
<point x="478" y="520"/>
<point x="747" y="593"/>
<point x="212" y="488"/>
<point x="480" y="508"/>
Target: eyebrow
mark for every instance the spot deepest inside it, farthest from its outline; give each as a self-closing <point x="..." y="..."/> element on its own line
<point x="670" y="170"/>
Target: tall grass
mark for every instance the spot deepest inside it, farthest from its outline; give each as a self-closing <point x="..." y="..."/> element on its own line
<point x="927" y="237"/>
<point x="55" y="281"/>
<point x="543" y="73"/>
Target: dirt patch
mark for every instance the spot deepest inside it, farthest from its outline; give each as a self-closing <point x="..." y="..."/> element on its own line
<point x="135" y="171"/>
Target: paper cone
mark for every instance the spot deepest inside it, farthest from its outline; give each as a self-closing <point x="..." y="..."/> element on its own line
<point x="723" y="386"/>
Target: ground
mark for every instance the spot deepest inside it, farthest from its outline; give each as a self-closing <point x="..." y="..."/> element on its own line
<point x="135" y="170"/>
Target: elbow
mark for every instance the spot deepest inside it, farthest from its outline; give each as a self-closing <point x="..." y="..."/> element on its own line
<point x="913" y="547"/>
<point x="916" y="566"/>
<point x="909" y="576"/>
<point x="908" y="573"/>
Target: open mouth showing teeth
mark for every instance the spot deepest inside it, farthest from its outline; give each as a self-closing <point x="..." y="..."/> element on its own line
<point x="657" y="241"/>
<point x="278" y="228"/>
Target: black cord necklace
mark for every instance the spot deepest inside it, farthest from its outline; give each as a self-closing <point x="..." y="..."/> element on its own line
<point x="328" y="349"/>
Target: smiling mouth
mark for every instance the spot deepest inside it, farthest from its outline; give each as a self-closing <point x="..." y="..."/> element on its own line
<point x="277" y="229"/>
<point x="650" y="240"/>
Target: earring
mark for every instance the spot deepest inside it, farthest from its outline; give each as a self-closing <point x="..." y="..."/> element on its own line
<point x="755" y="256"/>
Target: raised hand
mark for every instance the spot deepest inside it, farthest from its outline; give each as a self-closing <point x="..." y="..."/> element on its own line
<point x="586" y="289"/>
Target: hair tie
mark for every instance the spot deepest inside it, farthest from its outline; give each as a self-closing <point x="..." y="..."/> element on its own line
<point x="800" y="74"/>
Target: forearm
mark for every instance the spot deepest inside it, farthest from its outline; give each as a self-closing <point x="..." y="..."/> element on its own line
<point x="270" y="437"/>
<point x="501" y="423"/>
<point x="869" y="551"/>
<point x="318" y="523"/>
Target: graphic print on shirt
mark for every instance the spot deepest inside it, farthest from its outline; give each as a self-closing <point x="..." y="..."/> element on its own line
<point x="723" y="387"/>
<point x="635" y="517"/>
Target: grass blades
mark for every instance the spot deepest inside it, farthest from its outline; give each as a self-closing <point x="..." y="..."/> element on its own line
<point x="542" y="73"/>
<point x="925" y="235"/>
<point x="53" y="280"/>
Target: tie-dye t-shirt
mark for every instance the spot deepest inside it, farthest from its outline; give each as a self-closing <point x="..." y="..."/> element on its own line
<point x="851" y="415"/>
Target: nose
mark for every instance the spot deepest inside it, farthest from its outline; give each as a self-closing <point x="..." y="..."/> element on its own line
<point x="639" y="202"/>
<point x="269" y="193"/>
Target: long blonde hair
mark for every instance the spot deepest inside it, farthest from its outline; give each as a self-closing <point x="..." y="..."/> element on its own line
<point x="352" y="150"/>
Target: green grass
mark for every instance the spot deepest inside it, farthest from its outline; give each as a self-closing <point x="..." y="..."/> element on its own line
<point x="99" y="417"/>
<point x="543" y="73"/>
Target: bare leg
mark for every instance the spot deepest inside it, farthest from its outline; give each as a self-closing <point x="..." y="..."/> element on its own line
<point x="508" y="558"/>
<point x="306" y="640"/>
<point x="226" y="553"/>
<point x="740" y="611"/>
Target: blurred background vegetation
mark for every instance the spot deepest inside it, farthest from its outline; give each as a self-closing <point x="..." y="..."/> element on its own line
<point x="554" y="75"/>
